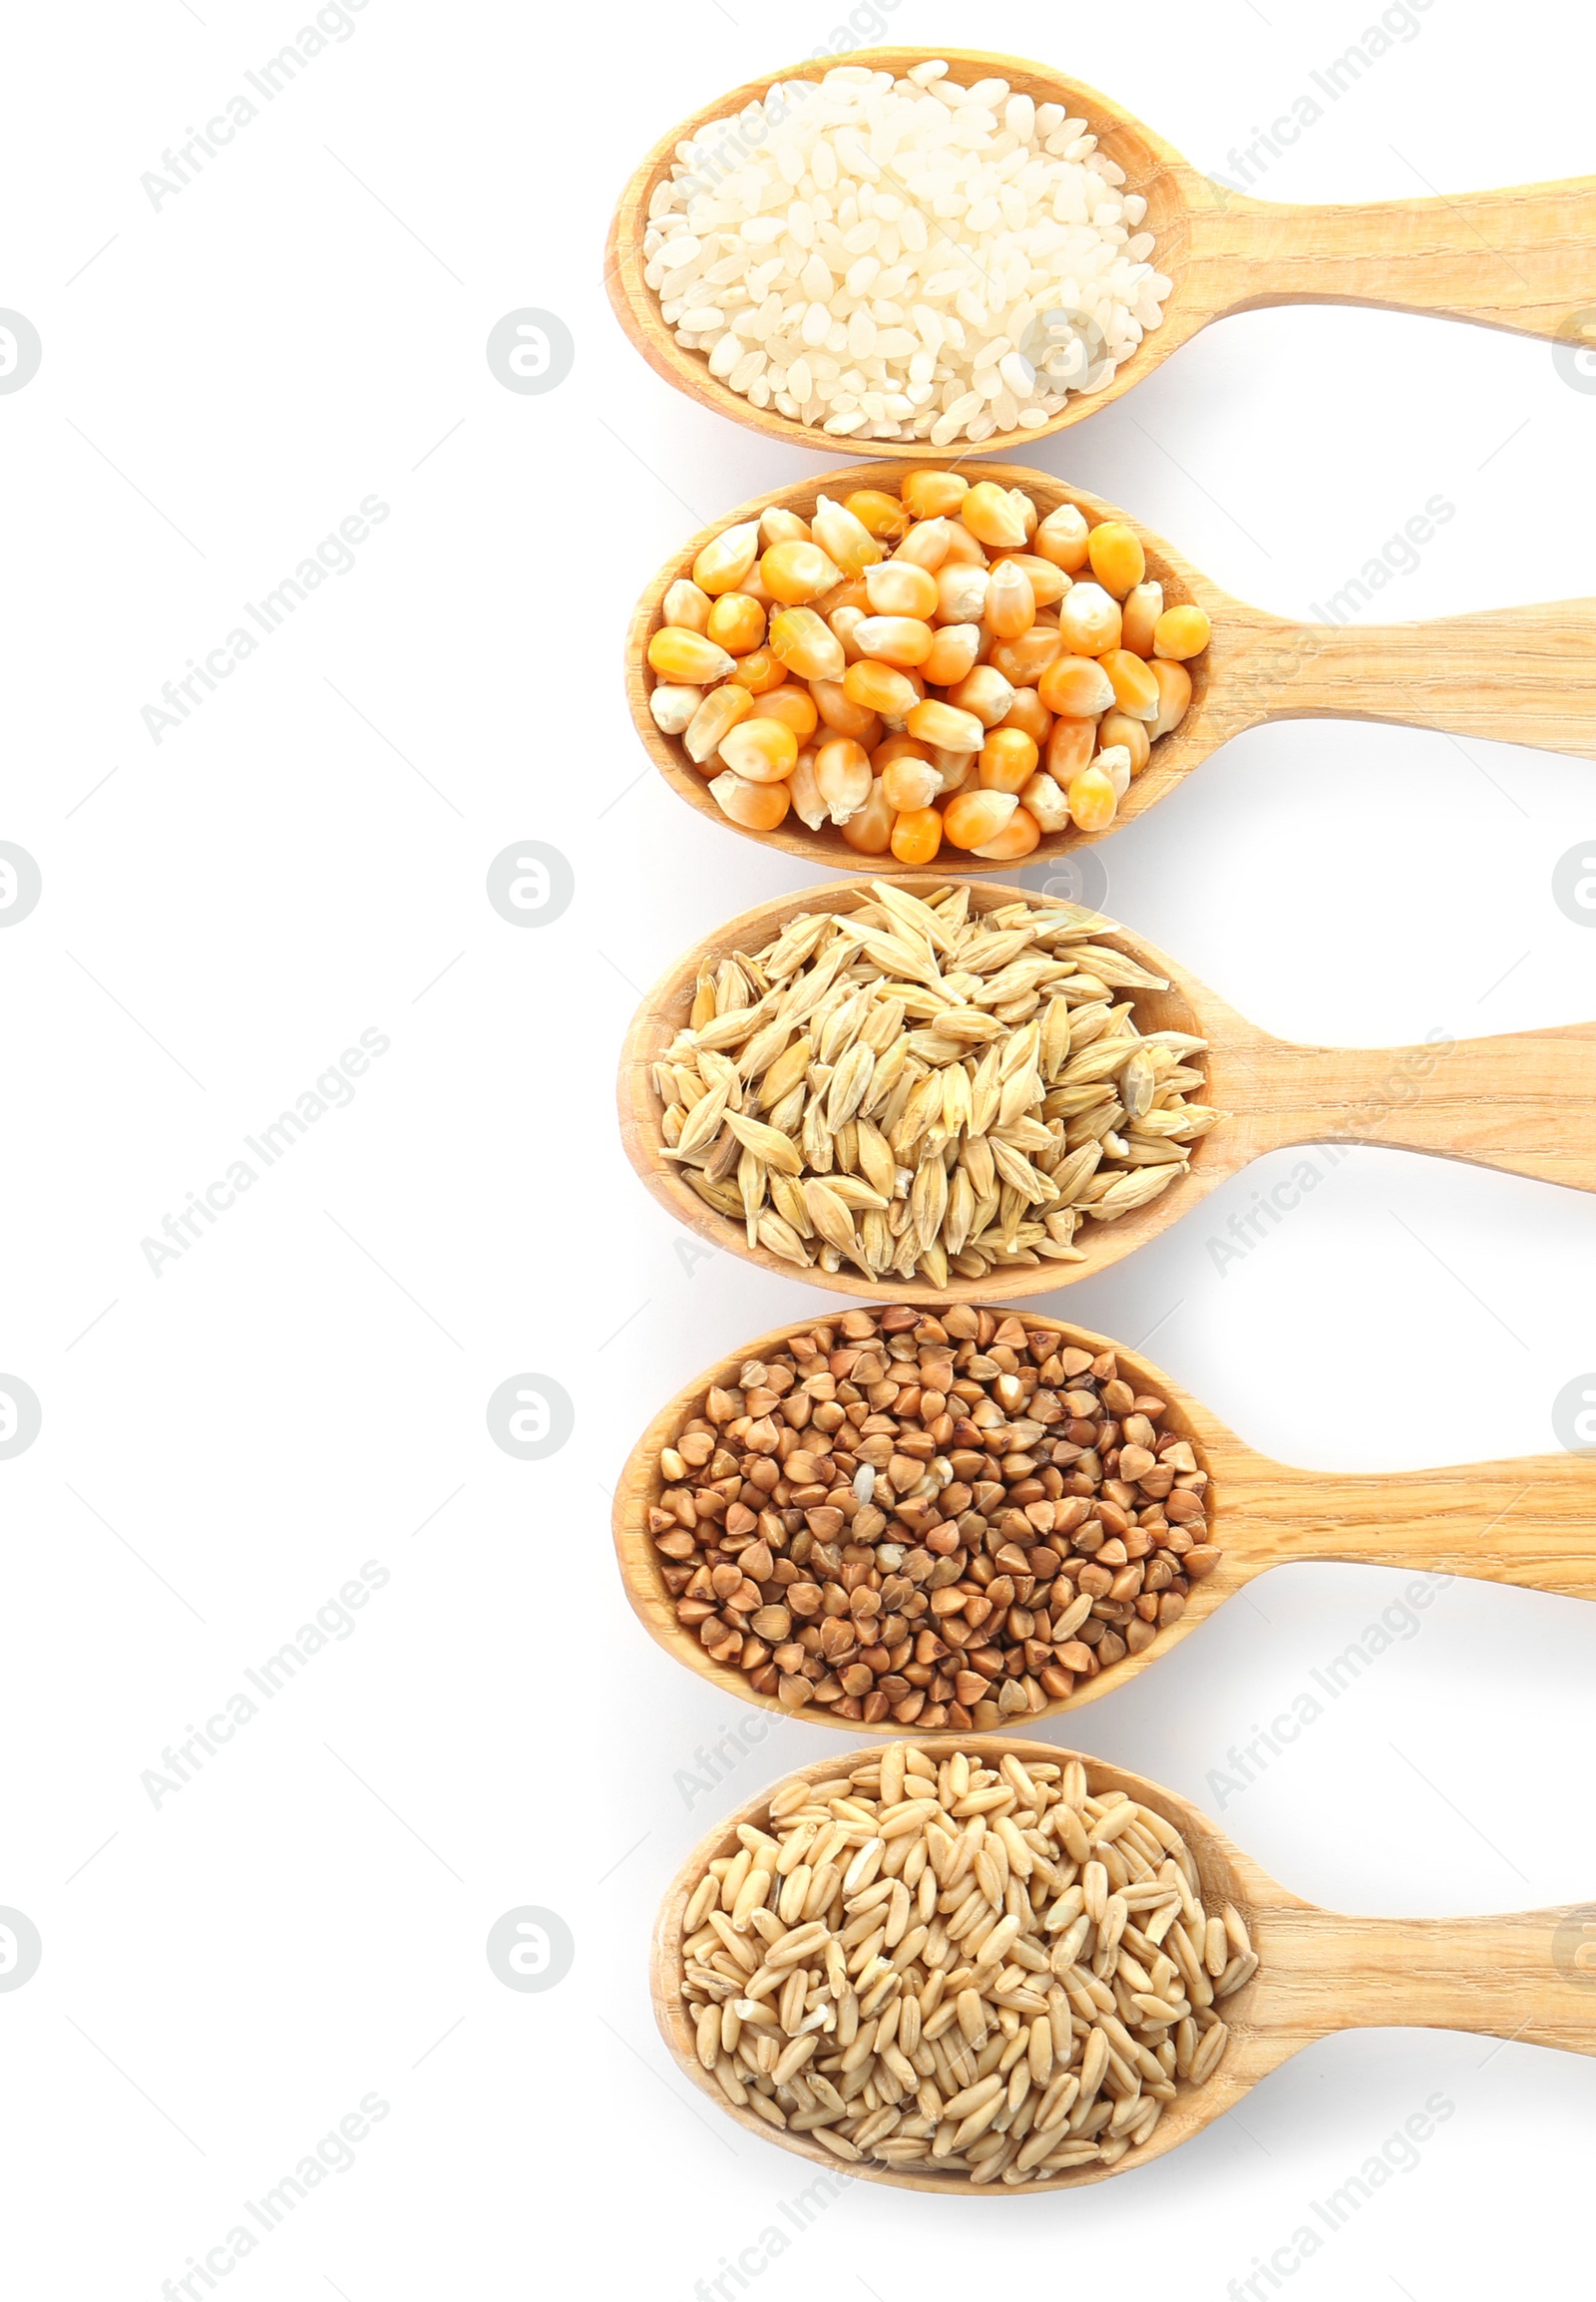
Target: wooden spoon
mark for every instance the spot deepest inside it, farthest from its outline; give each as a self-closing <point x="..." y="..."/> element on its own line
<point x="1518" y="1976"/>
<point x="1514" y="674"/>
<point x="1510" y="1102"/>
<point x="1530" y="1522"/>
<point x="1522" y="259"/>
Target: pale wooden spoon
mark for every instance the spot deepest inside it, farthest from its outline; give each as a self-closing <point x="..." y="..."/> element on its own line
<point x="1523" y="259"/>
<point x="1517" y="1976"/>
<point x="1516" y="1104"/>
<point x="1529" y="1522"/>
<point x="1512" y="674"/>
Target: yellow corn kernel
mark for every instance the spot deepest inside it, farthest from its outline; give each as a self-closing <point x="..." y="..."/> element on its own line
<point x="685" y="606"/>
<point x="985" y="692"/>
<point x="911" y="783"/>
<point x="760" y="672"/>
<point x="672" y="708"/>
<point x="962" y="592"/>
<point x="727" y="558"/>
<point x="1181" y="632"/>
<point x="1174" y="695"/>
<point x="1117" y="559"/>
<point x="1047" y="583"/>
<point x="1135" y="688"/>
<point x="844" y="536"/>
<point x="1063" y="537"/>
<point x="1093" y="800"/>
<point x="877" y="687"/>
<point x="845" y="621"/>
<point x="955" y="650"/>
<point x="760" y="750"/>
<point x="1023" y="660"/>
<point x="1114" y="762"/>
<point x="736" y="624"/>
<point x="1029" y="711"/>
<point x="1046" y="801"/>
<point x="1076" y="688"/>
<point x="842" y="715"/>
<point x="901" y="639"/>
<point x="800" y="640"/>
<point x="893" y="747"/>
<point x="779" y="525"/>
<point x="794" y="707"/>
<point x="899" y="587"/>
<point x="934" y="494"/>
<point x="869" y="828"/>
<point x="1070" y="744"/>
<point x="1011" y="602"/>
<point x="1007" y="760"/>
<point x="807" y="801"/>
<point x="851" y="593"/>
<point x="962" y="549"/>
<point x="715" y="719"/>
<point x="917" y="835"/>
<point x="974" y="817"/>
<point x="687" y="658"/>
<point x="959" y="771"/>
<point x="1089" y="619"/>
<point x="842" y="770"/>
<point x="1141" y="610"/>
<point x="1133" y="736"/>
<point x="755" y="805"/>
<point x="882" y="513"/>
<point x="944" y="727"/>
<point x="994" y="516"/>
<point x="797" y="572"/>
<point x="925" y="545"/>
<point x="1018" y="836"/>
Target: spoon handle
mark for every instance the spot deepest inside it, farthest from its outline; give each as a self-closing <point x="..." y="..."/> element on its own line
<point x="1522" y="259"/>
<point x="1524" y="1103"/>
<point x="1515" y="674"/>
<point x="1530" y="1522"/>
<point x="1527" y="1974"/>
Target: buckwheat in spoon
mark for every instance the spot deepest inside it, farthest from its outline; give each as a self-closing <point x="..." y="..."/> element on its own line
<point x="943" y="1519"/>
<point x="974" y="250"/>
<point x="928" y="1093"/>
<point x="994" y="1967"/>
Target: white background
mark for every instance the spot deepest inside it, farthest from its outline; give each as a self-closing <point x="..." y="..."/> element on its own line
<point x="225" y="378"/>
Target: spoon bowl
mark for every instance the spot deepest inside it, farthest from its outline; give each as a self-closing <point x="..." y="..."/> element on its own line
<point x="1519" y="1103"/>
<point x="1513" y="675"/>
<point x="1520" y="259"/>
<point x="1529" y="1522"/>
<point x="1319" y="1972"/>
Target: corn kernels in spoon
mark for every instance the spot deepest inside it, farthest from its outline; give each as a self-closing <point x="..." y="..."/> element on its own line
<point x="1064" y="537"/>
<point x="686" y="606"/>
<point x="985" y="692"/>
<point x="727" y="558"/>
<point x="843" y="536"/>
<point x="1011" y="602"/>
<point x="879" y="687"/>
<point x="926" y="545"/>
<point x="944" y="727"/>
<point x="901" y="639"/>
<point x="1114" y="762"/>
<point x="1181" y="632"/>
<point x="1134" y="735"/>
<point x="993" y="517"/>
<point x="760" y="672"/>
<point x="1093" y="800"/>
<point x="1174" y="691"/>
<point x="1070" y="744"/>
<point x="760" y="750"/>
<point x="807" y="798"/>
<point x="899" y="587"/>
<point x="1076" y="688"/>
<point x="794" y="707"/>
<point x="1007" y="760"/>
<point x="911" y="782"/>
<point x="868" y="831"/>
<point x="687" y="658"/>
<point x="796" y="573"/>
<point x="954" y="649"/>
<point x="962" y="592"/>
<point x="842" y="770"/>
<point x="934" y="494"/>
<point x="917" y="835"/>
<point x="779" y="525"/>
<point x="715" y="719"/>
<point x="736" y="624"/>
<point x="842" y="715"/>
<point x="1018" y="838"/>
<point x="756" y="806"/>
<point x="1135" y="688"/>
<point x="802" y="641"/>
<point x="1029" y="713"/>
<point x="1023" y="660"/>
<point x="884" y="516"/>
<point x="972" y="817"/>
<point x="672" y="708"/>
<point x="1048" y="801"/>
<point x="1140" y="613"/>
<point x="1089" y="619"/>
<point x="1117" y="559"/>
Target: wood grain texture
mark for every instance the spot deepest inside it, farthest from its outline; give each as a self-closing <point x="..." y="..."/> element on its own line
<point x="1515" y="674"/>
<point x="1530" y="1522"/>
<point x="1320" y="1972"/>
<point x="1521" y="1103"/>
<point x="1522" y="259"/>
